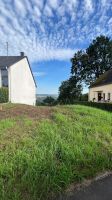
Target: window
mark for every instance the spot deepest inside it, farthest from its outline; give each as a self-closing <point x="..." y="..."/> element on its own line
<point x="4" y="75"/>
<point x="104" y="96"/>
<point x="4" y="81"/>
<point x="108" y="96"/>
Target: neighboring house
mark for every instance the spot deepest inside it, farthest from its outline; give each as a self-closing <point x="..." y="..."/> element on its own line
<point x="16" y="74"/>
<point x="101" y="89"/>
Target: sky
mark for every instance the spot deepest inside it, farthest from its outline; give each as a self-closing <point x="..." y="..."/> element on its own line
<point x="49" y="32"/>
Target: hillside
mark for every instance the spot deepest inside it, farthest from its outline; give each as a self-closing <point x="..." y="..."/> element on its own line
<point x="41" y="97"/>
<point x="43" y="150"/>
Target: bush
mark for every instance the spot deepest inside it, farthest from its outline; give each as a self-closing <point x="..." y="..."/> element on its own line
<point x="103" y="106"/>
<point x="49" y="101"/>
<point x="84" y="97"/>
<point x="4" y="95"/>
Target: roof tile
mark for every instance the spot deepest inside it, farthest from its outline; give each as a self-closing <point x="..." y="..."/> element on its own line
<point x="104" y="79"/>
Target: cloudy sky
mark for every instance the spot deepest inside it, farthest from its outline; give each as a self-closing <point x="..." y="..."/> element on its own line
<point x="50" y="32"/>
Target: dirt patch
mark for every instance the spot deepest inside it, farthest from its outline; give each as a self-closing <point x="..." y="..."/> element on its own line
<point x="12" y="111"/>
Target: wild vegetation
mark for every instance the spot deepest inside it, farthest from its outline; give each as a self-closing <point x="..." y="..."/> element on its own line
<point x="42" y="156"/>
<point x="4" y="95"/>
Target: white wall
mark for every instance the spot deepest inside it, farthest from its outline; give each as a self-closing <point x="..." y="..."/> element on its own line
<point x="93" y="92"/>
<point x="22" y="88"/>
<point x="0" y="79"/>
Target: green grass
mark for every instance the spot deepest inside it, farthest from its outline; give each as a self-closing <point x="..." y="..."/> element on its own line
<point x="39" y="159"/>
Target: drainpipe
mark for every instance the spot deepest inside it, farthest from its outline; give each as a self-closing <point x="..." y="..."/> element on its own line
<point x="9" y="82"/>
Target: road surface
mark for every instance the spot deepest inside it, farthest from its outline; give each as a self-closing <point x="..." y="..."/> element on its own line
<point x="98" y="190"/>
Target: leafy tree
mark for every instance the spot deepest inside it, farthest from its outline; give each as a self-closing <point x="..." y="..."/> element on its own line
<point x="75" y="88"/>
<point x="99" y="57"/>
<point x="49" y="101"/>
<point x="64" y="92"/>
<point x="69" y="91"/>
<point x="79" y="62"/>
<point x="95" y="61"/>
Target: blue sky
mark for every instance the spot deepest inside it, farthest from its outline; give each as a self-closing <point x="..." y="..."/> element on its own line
<point x="50" y="32"/>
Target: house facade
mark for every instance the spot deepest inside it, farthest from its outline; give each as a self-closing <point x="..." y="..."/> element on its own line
<point x="16" y="74"/>
<point x="101" y="89"/>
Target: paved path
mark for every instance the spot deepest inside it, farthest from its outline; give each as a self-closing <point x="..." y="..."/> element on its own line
<point x="99" y="190"/>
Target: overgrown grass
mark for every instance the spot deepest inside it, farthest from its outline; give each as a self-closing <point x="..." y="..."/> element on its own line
<point x="38" y="159"/>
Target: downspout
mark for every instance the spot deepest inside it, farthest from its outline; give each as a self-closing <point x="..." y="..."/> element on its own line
<point x="9" y="83"/>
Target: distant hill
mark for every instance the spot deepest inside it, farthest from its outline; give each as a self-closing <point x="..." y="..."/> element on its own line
<point x="41" y="97"/>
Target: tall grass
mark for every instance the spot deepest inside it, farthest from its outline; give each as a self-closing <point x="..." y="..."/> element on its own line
<point x="44" y="159"/>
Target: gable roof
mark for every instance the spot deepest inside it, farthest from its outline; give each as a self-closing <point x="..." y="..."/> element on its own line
<point x="104" y="79"/>
<point x="7" y="61"/>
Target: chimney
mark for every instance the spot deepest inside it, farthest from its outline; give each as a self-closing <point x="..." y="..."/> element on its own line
<point x="22" y="54"/>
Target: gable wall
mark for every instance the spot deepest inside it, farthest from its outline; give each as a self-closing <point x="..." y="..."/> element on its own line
<point x="22" y="87"/>
<point x="93" y="92"/>
<point x="0" y="79"/>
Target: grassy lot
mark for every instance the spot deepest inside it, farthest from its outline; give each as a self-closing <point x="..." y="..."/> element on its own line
<point x="42" y="156"/>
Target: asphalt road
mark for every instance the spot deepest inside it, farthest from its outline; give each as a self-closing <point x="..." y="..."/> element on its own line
<point x="98" y="190"/>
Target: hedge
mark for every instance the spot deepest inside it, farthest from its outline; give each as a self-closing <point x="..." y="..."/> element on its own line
<point x="4" y="95"/>
<point x="103" y="106"/>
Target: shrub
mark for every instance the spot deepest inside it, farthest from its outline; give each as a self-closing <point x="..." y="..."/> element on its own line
<point x="103" y="106"/>
<point x="3" y="95"/>
<point x="84" y="97"/>
<point x="49" y="101"/>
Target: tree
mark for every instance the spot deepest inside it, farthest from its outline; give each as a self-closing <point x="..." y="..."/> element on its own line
<point x="97" y="59"/>
<point x="79" y="62"/>
<point x="64" y="92"/>
<point x="49" y="101"/>
<point x="75" y="88"/>
<point x="69" y="91"/>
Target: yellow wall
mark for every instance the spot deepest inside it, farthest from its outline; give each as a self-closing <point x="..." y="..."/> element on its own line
<point x="93" y="92"/>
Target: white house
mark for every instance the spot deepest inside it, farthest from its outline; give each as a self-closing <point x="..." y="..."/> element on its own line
<point x="16" y="74"/>
<point x="101" y="89"/>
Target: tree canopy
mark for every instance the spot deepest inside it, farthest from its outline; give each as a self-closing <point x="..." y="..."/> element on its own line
<point x="49" y="101"/>
<point x="93" y="62"/>
<point x="69" y="90"/>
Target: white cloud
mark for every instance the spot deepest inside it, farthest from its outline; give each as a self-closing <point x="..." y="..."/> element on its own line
<point x="52" y="30"/>
<point x="53" y="3"/>
<point x="89" y="5"/>
<point x="110" y="21"/>
<point x="48" y="11"/>
<point x="56" y="54"/>
<point x="20" y="7"/>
